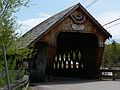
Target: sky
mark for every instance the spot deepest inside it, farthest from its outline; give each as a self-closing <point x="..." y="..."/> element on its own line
<point x="103" y="11"/>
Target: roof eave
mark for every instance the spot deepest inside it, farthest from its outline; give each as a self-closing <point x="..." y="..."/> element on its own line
<point x="74" y="8"/>
<point x="96" y="22"/>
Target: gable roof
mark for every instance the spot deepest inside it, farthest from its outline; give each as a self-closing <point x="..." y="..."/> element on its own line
<point x="36" y="32"/>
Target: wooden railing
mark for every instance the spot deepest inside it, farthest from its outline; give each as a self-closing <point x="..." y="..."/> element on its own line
<point x="109" y="74"/>
<point x="23" y="84"/>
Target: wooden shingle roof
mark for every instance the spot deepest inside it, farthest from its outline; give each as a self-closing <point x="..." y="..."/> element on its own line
<point x="36" y="32"/>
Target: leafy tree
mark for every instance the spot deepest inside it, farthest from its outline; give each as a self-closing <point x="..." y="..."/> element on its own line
<point x="7" y="20"/>
<point x="111" y="56"/>
<point x="8" y="37"/>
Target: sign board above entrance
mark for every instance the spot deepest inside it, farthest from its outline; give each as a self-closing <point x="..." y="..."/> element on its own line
<point x="78" y="27"/>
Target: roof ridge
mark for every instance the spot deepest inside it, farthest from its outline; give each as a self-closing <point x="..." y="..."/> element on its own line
<point x="51" y="17"/>
<point x="39" y="30"/>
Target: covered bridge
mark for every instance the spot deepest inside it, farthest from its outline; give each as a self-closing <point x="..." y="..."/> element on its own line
<point x="70" y="43"/>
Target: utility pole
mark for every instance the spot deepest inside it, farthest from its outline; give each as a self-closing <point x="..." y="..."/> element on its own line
<point x="6" y="67"/>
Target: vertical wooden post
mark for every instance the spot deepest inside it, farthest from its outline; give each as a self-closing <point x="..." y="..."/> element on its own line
<point x="51" y="57"/>
<point x="77" y="57"/>
<point x="57" y="61"/>
<point x="80" y="61"/>
<point x="66" y="59"/>
<point x="99" y="56"/>
<point x="99" y="60"/>
<point x="62" y="60"/>
<point x="69" y="61"/>
<point x="114" y="77"/>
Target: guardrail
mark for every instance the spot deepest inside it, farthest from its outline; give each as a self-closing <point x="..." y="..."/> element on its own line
<point x="24" y="82"/>
<point x="109" y="73"/>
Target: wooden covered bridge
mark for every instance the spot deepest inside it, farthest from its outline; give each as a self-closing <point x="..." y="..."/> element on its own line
<point x="70" y="43"/>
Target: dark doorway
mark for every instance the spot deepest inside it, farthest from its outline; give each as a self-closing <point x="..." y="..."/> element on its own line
<point x="76" y="55"/>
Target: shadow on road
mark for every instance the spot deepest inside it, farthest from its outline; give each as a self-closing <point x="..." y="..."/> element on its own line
<point x="64" y="80"/>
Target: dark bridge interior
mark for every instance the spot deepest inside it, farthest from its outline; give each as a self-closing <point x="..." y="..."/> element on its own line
<point x="76" y="55"/>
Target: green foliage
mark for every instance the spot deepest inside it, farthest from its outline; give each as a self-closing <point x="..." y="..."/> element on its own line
<point x="7" y="20"/>
<point x="15" y="57"/>
<point x="2" y="79"/>
<point x="111" y="55"/>
<point x="8" y="37"/>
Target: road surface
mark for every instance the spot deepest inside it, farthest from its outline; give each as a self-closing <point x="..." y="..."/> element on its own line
<point x="77" y="84"/>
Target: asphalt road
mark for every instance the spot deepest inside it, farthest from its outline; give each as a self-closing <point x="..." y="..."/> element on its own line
<point x="77" y="84"/>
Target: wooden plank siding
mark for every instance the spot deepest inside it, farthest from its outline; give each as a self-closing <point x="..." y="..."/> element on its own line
<point x="65" y="26"/>
<point x="68" y="34"/>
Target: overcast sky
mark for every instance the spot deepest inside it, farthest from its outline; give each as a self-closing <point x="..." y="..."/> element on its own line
<point x="103" y="10"/>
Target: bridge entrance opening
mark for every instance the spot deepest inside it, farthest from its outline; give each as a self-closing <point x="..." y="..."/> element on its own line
<point x="76" y="55"/>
